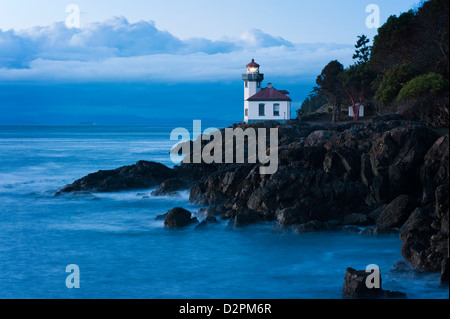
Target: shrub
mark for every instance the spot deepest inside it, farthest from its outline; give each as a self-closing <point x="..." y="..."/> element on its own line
<point x="393" y="82"/>
<point x="424" y="85"/>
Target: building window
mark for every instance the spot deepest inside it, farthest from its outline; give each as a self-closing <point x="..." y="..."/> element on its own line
<point x="246" y="112"/>
<point x="276" y="109"/>
<point x="246" y="84"/>
<point x="262" y="109"/>
<point x="258" y="84"/>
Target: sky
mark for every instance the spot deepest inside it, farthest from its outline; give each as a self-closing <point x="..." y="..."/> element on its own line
<point x="136" y="61"/>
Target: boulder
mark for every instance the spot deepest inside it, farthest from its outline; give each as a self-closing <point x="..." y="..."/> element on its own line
<point x="202" y="225"/>
<point x="310" y="227"/>
<point x="355" y="287"/>
<point x="425" y="234"/>
<point x="415" y="249"/>
<point x="139" y="176"/>
<point x="171" y="186"/>
<point x="291" y="216"/>
<point x="421" y="219"/>
<point x="396" y="213"/>
<point x="319" y="138"/>
<point x="374" y="214"/>
<point x="211" y="219"/>
<point x="246" y="217"/>
<point x="356" y="219"/>
<point x="178" y="217"/>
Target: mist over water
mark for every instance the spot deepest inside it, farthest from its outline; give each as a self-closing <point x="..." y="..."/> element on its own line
<point x="124" y="252"/>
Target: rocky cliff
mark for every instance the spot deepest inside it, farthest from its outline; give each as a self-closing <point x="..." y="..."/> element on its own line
<point x="390" y="174"/>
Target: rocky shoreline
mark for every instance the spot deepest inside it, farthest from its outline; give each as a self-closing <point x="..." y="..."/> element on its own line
<point x="387" y="175"/>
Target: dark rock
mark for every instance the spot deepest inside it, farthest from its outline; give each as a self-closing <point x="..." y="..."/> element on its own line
<point x="258" y="198"/>
<point x="208" y="220"/>
<point x="319" y="138"/>
<point x="202" y="225"/>
<point x="213" y="211"/>
<point x="425" y="234"/>
<point x="291" y="216"/>
<point x="379" y="190"/>
<point x="382" y="153"/>
<point x="230" y="214"/>
<point x="374" y="214"/>
<point x="351" y="229"/>
<point x="396" y="213"/>
<point x="366" y="170"/>
<point x="211" y="219"/>
<point x="171" y="186"/>
<point x="161" y="217"/>
<point x="389" y="117"/>
<point x="326" y="172"/>
<point x="356" y="219"/>
<point x="139" y="176"/>
<point x="344" y="162"/>
<point x="415" y="249"/>
<point x="421" y="220"/>
<point x="332" y="225"/>
<point x="434" y="171"/>
<point x="246" y="217"/>
<point x="402" y="266"/>
<point x="178" y="217"/>
<point x="355" y="287"/>
<point x="445" y="272"/>
<point x="197" y="194"/>
<point x="306" y="209"/>
<point x="76" y="194"/>
<point x="442" y="207"/>
<point x="309" y="227"/>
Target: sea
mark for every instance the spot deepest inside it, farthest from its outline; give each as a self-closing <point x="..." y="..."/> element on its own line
<point x="121" y="251"/>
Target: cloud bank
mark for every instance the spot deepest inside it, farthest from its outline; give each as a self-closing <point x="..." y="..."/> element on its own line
<point x="116" y="50"/>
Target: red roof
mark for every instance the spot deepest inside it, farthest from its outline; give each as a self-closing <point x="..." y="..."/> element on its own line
<point x="269" y="94"/>
<point x="253" y="64"/>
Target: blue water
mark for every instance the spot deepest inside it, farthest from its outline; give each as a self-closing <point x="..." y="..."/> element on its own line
<point x="123" y="252"/>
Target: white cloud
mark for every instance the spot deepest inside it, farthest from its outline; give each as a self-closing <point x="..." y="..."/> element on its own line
<point x="117" y="50"/>
<point x="258" y="39"/>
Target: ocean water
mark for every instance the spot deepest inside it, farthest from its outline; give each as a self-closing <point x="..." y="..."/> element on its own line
<point x="123" y="252"/>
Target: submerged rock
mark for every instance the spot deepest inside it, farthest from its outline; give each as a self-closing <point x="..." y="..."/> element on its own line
<point x="178" y="217"/>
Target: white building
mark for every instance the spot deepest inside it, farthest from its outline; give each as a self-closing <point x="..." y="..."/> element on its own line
<point x="263" y="104"/>
<point x="361" y="110"/>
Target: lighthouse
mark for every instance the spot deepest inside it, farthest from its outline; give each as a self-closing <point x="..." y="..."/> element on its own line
<point x="263" y="104"/>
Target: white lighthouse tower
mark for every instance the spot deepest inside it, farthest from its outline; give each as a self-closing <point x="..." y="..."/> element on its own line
<point x="252" y="84"/>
